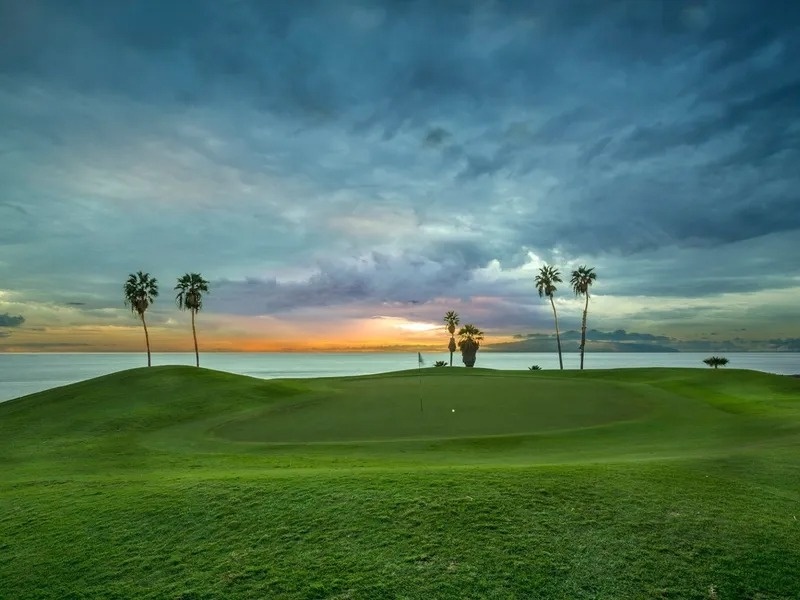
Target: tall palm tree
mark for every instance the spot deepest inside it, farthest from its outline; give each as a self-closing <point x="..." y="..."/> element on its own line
<point x="451" y="321"/>
<point x="140" y="291"/>
<point x="191" y="288"/>
<point x="469" y="341"/>
<point x="582" y="279"/>
<point x="546" y="282"/>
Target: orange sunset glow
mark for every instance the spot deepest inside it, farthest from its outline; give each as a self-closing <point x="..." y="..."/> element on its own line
<point x="242" y="334"/>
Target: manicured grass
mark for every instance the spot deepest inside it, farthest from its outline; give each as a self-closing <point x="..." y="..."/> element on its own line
<point x="175" y="482"/>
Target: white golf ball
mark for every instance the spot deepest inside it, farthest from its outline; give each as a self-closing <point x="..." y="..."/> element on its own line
<point x="454" y="410"/>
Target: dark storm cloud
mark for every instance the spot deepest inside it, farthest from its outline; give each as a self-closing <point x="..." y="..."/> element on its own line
<point x="7" y="320"/>
<point x="648" y="136"/>
<point x="764" y="263"/>
<point x="412" y="277"/>
<point x="771" y="109"/>
<point x="436" y="136"/>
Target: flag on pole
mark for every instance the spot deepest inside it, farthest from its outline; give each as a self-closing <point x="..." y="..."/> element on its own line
<point x="420" y="362"/>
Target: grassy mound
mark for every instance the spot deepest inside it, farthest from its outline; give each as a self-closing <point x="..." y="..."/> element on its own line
<point x="175" y="482"/>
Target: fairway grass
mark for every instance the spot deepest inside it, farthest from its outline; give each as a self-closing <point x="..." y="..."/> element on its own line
<point x="176" y="482"/>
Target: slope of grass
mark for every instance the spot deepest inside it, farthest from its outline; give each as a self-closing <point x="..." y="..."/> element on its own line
<point x="175" y="482"/>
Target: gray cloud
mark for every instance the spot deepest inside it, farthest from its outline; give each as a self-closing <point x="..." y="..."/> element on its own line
<point x="787" y="344"/>
<point x="350" y="153"/>
<point x="619" y="335"/>
<point x="7" y="320"/>
<point x="756" y="111"/>
<point x="377" y="277"/>
<point x="436" y="136"/>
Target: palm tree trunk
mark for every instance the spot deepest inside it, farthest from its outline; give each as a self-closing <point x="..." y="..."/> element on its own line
<point x="146" y="339"/>
<point x="194" y="335"/>
<point x="558" y="337"/>
<point x="583" y="329"/>
<point x="451" y="359"/>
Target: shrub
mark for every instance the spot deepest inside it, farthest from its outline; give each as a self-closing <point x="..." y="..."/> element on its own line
<point x="534" y="368"/>
<point x="716" y="361"/>
<point x="440" y="363"/>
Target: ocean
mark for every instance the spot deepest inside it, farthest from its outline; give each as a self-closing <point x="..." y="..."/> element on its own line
<point x="26" y="373"/>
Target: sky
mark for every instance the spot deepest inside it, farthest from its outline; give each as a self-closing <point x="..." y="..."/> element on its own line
<point x="343" y="173"/>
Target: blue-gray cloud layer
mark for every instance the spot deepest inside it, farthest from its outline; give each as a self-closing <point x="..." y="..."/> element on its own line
<point x="7" y="320"/>
<point x="323" y="153"/>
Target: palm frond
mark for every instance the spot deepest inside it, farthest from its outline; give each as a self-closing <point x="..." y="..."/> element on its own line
<point x="190" y="288"/>
<point x="451" y="318"/>
<point x="469" y="333"/>
<point x="582" y="279"/>
<point x="140" y="291"/>
<point x="546" y="280"/>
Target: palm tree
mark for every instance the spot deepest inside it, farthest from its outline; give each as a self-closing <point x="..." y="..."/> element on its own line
<point x="582" y="280"/>
<point x="451" y="321"/>
<point x="190" y="297"/>
<point x="469" y="342"/>
<point x="716" y="361"/>
<point x="140" y="292"/>
<point x="546" y="282"/>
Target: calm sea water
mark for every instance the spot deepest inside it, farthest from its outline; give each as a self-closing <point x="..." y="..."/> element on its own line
<point x="22" y="374"/>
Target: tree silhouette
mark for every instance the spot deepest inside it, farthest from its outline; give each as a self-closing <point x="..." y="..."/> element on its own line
<point x="140" y="291"/>
<point x="716" y="361"/>
<point x="582" y="279"/>
<point x="469" y="341"/>
<point x="451" y="321"/>
<point x="191" y="288"/>
<point x="546" y="282"/>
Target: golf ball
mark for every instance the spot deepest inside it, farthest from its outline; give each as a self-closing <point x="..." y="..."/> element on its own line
<point x="454" y="410"/>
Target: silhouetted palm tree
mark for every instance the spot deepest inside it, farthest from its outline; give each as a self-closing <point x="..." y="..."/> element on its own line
<point x="191" y="288"/>
<point x="451" y="321"/>
<point x="469" y="342"/>
<point x="546" y="282"/>
<point x="716" y="361"/>
<point x="582" y="280"/>
<point x="140" y="292"/>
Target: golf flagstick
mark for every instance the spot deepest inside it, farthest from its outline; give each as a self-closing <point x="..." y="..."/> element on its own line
<point x="420" y="362"/>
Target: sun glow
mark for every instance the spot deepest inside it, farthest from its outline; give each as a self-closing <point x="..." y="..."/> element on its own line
<point x="416" y="326"/>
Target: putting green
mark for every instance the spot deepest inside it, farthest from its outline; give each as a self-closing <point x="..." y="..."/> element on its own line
<point x="482" y="417"/>
<point x="410" y="408"/>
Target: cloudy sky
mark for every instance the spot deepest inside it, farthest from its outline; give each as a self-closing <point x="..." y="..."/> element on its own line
<point x="344" y="172"/>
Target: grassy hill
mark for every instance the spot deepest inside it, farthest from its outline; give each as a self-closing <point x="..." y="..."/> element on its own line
<point x="175" y="482"/>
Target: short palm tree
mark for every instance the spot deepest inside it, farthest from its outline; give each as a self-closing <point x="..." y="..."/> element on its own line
<point x="546" y="282"/>
<point x="582" y="279"/>
<point x="469" y="341"/>
<point x="140" y="292"/>
<point x="451" y="321"/>
<point x="191" y="288"/>
<point x="716" y="361"/>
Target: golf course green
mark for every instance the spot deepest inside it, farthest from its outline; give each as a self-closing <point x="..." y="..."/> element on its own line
<point x="186" y="483"/>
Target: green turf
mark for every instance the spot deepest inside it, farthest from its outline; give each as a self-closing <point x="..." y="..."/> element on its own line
<point x="174" y="482"/>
